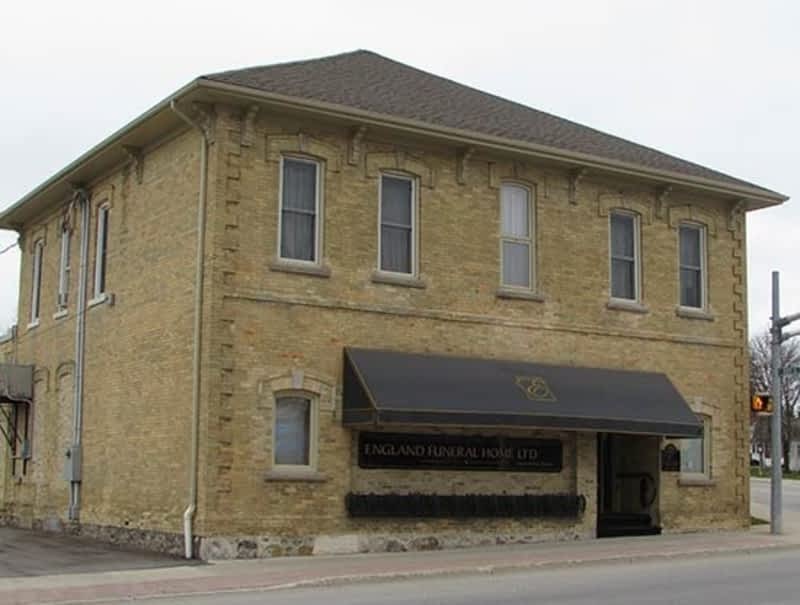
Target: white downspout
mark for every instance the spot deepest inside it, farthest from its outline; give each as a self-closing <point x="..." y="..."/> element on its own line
<point x="188" y="514"/>
<point x="80" y="348"/>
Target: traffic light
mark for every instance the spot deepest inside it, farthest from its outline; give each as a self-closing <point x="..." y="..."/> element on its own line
<point x="761" y="403"/>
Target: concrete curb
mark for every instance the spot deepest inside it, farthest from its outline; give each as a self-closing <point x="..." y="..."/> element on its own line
<point x="118" y="592"/>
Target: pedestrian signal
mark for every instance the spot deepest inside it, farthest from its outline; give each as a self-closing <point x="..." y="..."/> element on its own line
<point x="761" y="404"/>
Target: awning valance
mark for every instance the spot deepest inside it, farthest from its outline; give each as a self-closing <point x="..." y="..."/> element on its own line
<point x="16" y="383"/>
<point x="387" y="388"/>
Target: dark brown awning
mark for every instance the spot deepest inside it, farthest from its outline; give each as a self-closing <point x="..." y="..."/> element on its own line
<point x="386" y="388"/>
<point x="16" y="383"/>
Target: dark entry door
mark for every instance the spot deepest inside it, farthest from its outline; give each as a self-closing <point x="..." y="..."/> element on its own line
<point x="626" y="485"/>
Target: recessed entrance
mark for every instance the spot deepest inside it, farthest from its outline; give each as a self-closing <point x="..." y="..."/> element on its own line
<point x="627" y="485"/>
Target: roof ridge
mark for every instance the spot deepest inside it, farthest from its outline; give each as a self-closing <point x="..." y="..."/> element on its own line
<point x="294" y="62"/>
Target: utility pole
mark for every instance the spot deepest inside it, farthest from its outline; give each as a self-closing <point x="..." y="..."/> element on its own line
<point x="777" y="340"/>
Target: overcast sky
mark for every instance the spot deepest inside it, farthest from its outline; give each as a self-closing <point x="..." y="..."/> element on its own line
<point x="712" y="82"/>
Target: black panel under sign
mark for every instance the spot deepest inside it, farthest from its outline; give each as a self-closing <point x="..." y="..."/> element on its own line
<point x="465" y="506"/>
<point x="458" y="452"/>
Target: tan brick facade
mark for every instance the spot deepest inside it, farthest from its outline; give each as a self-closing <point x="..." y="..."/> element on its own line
<point x="267" y="330"/>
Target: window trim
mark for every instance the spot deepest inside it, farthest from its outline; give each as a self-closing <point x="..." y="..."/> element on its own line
<point x="637" y="257"/>
<point x="414" y="226"/>
<point x="36" y="283"/>
<point x="702" y="229"/>
<point x="100" y="287"/>
<point x="313" y="432"/>
<point x="705" y="474"/>
<point x="62" y="294"/>
<point x="318" y="211"/>
<point x="530" y="241"/>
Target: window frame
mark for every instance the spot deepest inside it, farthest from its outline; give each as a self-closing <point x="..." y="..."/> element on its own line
<point x="530" y="241"/>
<point x="705" y="474"/>
<point x="100" y="286"/>
<point x="318" y="209"/>
<point x="313" y="431"/>
<point x="637" y="257"/>
<point x="703" y="231"/>
<point x="62" y="294"/>
<point x="36" y="283"/>
<point x="414" y="226"/>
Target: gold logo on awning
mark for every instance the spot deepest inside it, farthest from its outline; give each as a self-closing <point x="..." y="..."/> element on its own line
<point x="535" y="388"/>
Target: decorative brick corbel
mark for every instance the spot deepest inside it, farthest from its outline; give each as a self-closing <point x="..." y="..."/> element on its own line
<point x="249" y="126"/>
<point x="354" y="147"/>
<point x="137" y="161"/>
<point x="463" y="163"/>
<point x="662" y="193"/>
<point x="737" y="210"/>
<point x="205" y="119"/>
<point x="574" y="178"/>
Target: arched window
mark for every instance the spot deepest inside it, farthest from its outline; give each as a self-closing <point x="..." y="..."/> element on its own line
<point x="516" y="237"/>
<point x="293" y="431"/>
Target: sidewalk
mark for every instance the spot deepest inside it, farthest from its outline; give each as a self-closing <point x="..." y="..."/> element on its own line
<point x="309" y="571"/>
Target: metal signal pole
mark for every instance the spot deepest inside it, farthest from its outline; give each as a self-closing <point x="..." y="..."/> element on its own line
<point x="778" y="338"/>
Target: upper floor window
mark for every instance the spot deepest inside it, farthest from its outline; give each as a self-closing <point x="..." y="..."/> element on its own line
<point x="101" y="252"/>
<point x="624" y="256"/>
<point x="397" y="220"/>
<point x="63" y="271"/>
<point x="516" y="217"/>
<point x="300" y="209"/>
<point x="692" y="265"/>
<point x="292" y="435"/>
<point x="36" y="281"/>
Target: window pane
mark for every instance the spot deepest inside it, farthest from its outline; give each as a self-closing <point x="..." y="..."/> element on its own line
<point x="516" y="264"/>
<point x="299" y="185"/>
<point x="622" y="235"/>
<point x="298" y="236"/>
<point x="690" y="246"/>
<point x="292" y="422"/>
<point x="515" y="211"/>
<point x="691" y="288"/>
<point x="623" y="280"/>
<point x="396" y="201"/>
<point x="102" y="246"/>
<point x="692" y="455"/>
<point x="396" y="249"/>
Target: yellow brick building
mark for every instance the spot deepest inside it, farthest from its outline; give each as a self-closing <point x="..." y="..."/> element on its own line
<point x="345" y="305"/>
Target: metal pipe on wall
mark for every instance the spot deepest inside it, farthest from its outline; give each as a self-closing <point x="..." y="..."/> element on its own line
<point x="188" y="515"/>
<point x="80" y="347"/>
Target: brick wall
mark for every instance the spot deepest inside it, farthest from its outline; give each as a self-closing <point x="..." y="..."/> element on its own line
<point x="263" y="325"/>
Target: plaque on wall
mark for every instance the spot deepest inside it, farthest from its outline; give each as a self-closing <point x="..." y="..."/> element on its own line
<point x="459" y="452"/>
<point x="671" y="459"/>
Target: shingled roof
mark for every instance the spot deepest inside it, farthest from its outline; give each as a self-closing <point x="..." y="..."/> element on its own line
<point x="367" y="81"/>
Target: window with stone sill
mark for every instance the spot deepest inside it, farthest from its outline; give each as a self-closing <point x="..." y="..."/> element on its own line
<point x="294" y="432"/>
<point x="692" y="263"/>
<point x="397" y="218"/>
<point x="696" y="453"/>
<point x="516" y="238"/>
<point x="36" y="281"/>
<point x="625" y="264"/>
<point x="63" y="270"/>
<point x="300" y="228"/>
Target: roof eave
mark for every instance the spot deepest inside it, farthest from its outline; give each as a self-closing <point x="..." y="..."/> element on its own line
<point x="13" y="217"/>
<point x="10" y="217"/>
<point x="756" y="197"/>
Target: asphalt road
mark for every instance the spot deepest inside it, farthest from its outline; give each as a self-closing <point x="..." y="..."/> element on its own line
<point x="759" y="494"/>
<point x="758" y="579"/>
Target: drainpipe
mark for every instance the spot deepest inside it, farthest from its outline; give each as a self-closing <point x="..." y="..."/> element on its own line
<point x="188" y="515"/>
<point x="73" y="454"/>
